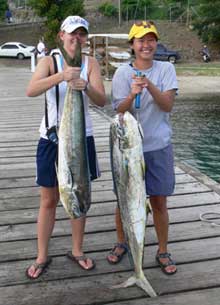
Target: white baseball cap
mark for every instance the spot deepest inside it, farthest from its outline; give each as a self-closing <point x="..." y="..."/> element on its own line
<point x="72" y="23"/>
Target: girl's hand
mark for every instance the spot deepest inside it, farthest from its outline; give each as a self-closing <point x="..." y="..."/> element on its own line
<point x="139" y="83"/>
<point x="79" y="84"/>
<point x="71" y="73"/>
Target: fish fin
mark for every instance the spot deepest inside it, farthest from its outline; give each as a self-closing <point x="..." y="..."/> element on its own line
<point x="144" y="284"/>
<point x="148" y="206"/>
<point x="143" y="168"/>
<point x="71" y="177"/>
<point x="141" y="282"/>
<point x="129" y="282"/>
<point x="56" y="169"/>
<point x="141" y="131"/>
<point x="130" y="256"/>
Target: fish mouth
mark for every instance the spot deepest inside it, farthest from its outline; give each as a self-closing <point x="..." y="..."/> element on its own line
<point x="75" y="61"/>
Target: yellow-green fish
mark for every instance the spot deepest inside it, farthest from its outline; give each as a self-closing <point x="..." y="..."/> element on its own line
<point x="73" y="166"/>
<point x="128" y="171"/>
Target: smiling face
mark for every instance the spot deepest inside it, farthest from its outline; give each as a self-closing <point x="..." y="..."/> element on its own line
<point x="70" y="39"/>
<point x="145" y="47"/>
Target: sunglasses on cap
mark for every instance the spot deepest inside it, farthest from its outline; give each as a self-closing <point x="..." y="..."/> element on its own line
<point x="145" y="24"/>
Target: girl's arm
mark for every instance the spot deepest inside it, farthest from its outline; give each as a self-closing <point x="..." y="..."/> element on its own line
<point x="95" y="90"/>
<point x="164" y="100"/>
<point x="44" y="77"/>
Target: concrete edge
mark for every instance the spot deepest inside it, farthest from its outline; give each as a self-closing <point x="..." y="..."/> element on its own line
<point x="98" y="110"/>
<point x="199" y="176"/>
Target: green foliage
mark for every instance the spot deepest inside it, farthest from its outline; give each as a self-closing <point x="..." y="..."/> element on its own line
<point x="108" y="9"/>
<point x="3" y="8"/>
<point x="207" y="23"/>
<point x="134" y="9"/>
<point x="55" y="11"/>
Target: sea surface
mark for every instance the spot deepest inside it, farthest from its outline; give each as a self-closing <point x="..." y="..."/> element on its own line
<point x="196" y="134"/>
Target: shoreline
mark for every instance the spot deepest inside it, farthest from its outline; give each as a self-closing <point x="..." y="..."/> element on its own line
<point x="190" y="87"/>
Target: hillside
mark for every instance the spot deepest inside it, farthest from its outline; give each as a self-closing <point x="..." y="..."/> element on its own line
<point x="174" y="35"/>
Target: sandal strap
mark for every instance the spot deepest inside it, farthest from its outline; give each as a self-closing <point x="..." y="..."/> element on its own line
<point x="122" y="246"/>
<point x="80" y="258"/>
<point x="41" y="265"/>
<point x="166" y="255"/>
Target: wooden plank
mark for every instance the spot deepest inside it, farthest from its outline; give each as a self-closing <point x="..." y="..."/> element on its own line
<point x="27" y="171"/>
<point x="102" y="209"/>
<point x="101" y="194"/>
<point x="62" y="267"/>
<point x="179" y="231"/>
<point x="30" y="163"/>
<point x="188" y="200"/>
<point x="185" y="250"/>
<point x="198" y="297"/>
<point x="104" y="182"/>
<point x="99" y="287"/>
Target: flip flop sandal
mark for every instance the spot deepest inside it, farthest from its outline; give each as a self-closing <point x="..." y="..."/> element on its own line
<point x="77" y="260"/>
<point x="114" y="253"/>
<point x="42" y="267"/>
<point x="163" y="266"/>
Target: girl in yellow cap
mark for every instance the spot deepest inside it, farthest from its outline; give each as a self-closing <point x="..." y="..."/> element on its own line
<point x="156" y="89"/>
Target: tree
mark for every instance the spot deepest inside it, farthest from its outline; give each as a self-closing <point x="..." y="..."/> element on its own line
<point x="55" y="11"/>
<point x="208" y="21"/>
<point x="3" y="8"/>
<point x="108" y="9"/>
<point x="136" y="9"/>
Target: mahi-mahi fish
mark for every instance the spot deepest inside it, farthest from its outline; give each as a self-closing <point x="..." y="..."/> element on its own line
<point x="128" y="171"/>
<point x="73" y="167"/>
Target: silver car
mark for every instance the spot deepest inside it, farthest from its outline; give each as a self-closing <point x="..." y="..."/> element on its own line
<point x="16" y="49"/>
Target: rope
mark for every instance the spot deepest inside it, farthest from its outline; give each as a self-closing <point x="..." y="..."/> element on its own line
<point x="205" y="217"/>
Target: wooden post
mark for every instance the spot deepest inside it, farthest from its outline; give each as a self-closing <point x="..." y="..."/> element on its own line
<point x="94" y="46"/>
<point x="32" y="62"/>
<point x="119" y="13"/>
<point x="106" y="58"/>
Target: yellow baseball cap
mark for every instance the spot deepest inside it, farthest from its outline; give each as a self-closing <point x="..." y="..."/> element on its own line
<point x="141" y="28"/>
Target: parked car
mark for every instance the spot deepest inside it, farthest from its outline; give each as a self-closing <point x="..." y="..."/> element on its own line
<point x="16" y="49"/>
<point x="162" y="53"/>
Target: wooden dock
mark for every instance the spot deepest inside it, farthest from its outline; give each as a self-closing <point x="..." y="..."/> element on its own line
<point x="194" y="244"/>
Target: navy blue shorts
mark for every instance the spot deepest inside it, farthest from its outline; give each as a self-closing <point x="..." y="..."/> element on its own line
<point x="47" y="157"/>
<point x="160" y="177"/>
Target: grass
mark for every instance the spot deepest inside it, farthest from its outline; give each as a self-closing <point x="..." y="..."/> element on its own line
<point x="195" y="69"/>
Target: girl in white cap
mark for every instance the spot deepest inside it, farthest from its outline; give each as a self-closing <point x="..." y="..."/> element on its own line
<point x="88" y="79"/>
<point x="156" y="88"/>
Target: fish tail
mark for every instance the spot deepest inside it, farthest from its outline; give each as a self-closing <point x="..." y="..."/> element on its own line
<point x="141" y="282"/>
<point x="144" y="284"/>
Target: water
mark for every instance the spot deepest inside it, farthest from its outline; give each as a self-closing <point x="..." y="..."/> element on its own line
<point x="196" y="134"/>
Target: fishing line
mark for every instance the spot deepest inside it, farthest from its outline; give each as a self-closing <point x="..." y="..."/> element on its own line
<point x="205" y="217"/>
